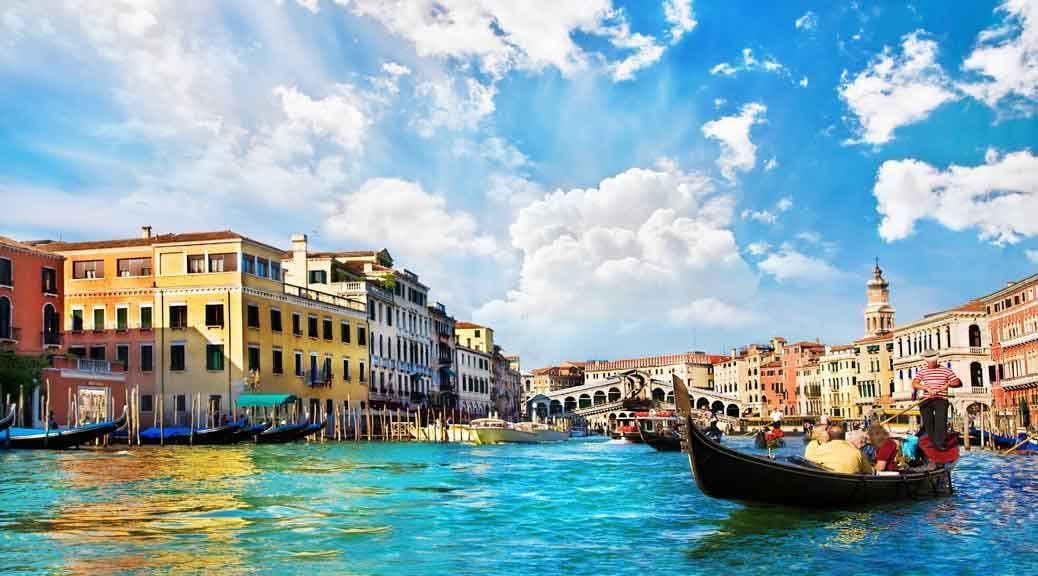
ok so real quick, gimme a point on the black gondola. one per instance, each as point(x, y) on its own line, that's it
point(666, 441)
point(6, 422)
point(281, 433)
point(721, 472)
point(313, 429)
point(30, 438)
point(248, 432)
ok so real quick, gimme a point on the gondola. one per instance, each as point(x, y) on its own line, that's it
point(29, 438)
point(312, 429)
point(666, 441)
point(282, 433)
point(1004, 442)
point(721, 472)
point(759, 441)
point(6, 422)
point(247, 432)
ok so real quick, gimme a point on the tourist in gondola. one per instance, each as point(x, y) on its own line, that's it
point(819, 436)
point(775, 434)
point(933, 383)
point(886, 449)
point(839, 455)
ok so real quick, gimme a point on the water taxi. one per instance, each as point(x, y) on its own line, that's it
point(497, 431)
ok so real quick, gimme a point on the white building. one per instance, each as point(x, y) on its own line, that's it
point(475, 378)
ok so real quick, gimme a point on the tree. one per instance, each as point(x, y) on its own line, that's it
point(19, 372)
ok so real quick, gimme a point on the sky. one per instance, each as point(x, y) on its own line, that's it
point(594, 180)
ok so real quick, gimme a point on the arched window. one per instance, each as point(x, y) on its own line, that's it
point(570, 404)
point(658, 394)
point(975, 336)
point(5, 318)
point(614, 394)
point(556, 407)
point(51, 325)
point(600, 397)
point(585, 401)
point(976, 371)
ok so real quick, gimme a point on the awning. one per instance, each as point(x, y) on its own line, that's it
point(263, 400)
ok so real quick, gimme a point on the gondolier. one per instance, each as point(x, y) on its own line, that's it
point(933, 383)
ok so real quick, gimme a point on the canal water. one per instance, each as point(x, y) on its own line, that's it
point(582, 507)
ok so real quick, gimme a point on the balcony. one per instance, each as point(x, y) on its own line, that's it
point(318, 379)
point(1020, 382)
point(10, 334)
point(93, 366)
point(1022, 339)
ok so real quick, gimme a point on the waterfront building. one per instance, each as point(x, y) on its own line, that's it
point(31, 300)
point(401, 337)
point(527, 383)
point(694, 368)
point(748, 360)
point(565, 375)
point(809, 387)
point(795, 356)
point(475, 376)
point(506, 391)
point(474, 336)
point(726, 374)
point(838, 380)
point(1012, 320)
point(445, 376)
point(773, 382)
point(961, 338)
point(209, 316)
point(875, 382)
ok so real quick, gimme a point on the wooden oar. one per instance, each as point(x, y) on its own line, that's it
point(1019, 444)
point(913, 405)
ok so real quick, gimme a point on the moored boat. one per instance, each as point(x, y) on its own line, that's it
point(8, 420)
point(659, 430)
point(544, 432)
point(666, 441)
point(59, 439)
point(497, 431)
point(282, 433)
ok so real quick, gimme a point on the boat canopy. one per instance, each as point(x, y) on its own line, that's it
point(264, 400)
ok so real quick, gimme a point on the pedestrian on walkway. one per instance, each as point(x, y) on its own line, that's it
point(933, 383)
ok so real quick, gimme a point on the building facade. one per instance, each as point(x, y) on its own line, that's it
point(445, 379)
point(795, 356)
point(552, 378)
point(694, 368)
point(475, 379)
point(838, 381)
point(31, 300)
point(1012, 318)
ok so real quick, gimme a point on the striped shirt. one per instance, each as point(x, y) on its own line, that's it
point(935, 381)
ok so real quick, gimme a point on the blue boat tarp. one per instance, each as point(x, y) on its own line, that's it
point(253, 400)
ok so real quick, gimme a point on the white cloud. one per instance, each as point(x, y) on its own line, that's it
point(895, 90)
point(679, 15)
point(788, 264)
point(1006, 59)
point(738, 152)
point(809, 21)
point(999, 198)
point(1032, 255)
point(771, 164)
point(403, 216)
point(640, 245)
point(758, 248)
point(711, 312)
point(340, 116)
point(803, 82)
point(454, 107)
point(784, 204)
point(749, 63)
point(762, 216)
point(501, 35)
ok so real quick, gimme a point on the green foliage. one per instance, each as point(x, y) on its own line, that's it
point(389, 282)
point(17, 370)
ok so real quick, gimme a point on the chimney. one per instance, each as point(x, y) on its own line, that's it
point(146, 232)
point(300, 273)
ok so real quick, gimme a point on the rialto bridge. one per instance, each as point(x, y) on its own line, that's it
point(605, 401)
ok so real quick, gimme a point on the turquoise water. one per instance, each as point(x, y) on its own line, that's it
point(583, 507)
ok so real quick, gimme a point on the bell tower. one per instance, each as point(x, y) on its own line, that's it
point(879, 314)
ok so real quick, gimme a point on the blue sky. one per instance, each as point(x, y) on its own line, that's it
point(595, 179)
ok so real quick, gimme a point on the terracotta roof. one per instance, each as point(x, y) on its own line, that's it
point(842, 347)
point(28, 247)
point(718, 359)
point(806, 344)
point(52, 246)
point(467, 325)
point(880, 338)
point(772, 364)
point(971, 306)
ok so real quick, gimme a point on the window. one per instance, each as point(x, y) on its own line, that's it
point(180, 403)
point(318, 277)
point(196, 263)
point(254, 359)
point(345, 333)
point(145, 317)
point(297, 324)
point(77, 351)
point(147, 403)
point(345, 369)
point(88, 269)
point(99, 319)
point(326, 370)
point(98, 353)
point(252, 316)
point(326, 328)
point(311, 326)
point(77, 320)
point(277, 365)
point(178, 316)
point(275, 320)
point(362, 374)
point(122, 354)
point(133, 266)
point(362, 336)
point(214, 356)
point(5, 272)
point(49, 281)
point(275, 271)
point(248, 264)
point(222, 263)
point(146, 358)
point(122, 318)
point(299, 363)
point(177, 359)
point(261, 267)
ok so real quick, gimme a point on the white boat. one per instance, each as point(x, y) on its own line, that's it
point(497, 431)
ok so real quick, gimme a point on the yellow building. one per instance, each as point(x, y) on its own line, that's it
point(223, 322)
point(838, 378)
point(874, 356)
point(474, 336)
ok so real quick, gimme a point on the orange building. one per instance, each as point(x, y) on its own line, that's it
point(1013, 321)
point(794, 357)
point(30, 298)
point(773, 382)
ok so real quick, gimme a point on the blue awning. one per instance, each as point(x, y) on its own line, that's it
point(264, 400)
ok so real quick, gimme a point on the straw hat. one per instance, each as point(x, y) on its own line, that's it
point(930, 354)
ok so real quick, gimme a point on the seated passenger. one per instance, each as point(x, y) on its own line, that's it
point(839, 455)
point(775, 433)
point(886, 448)
point(819, 436)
